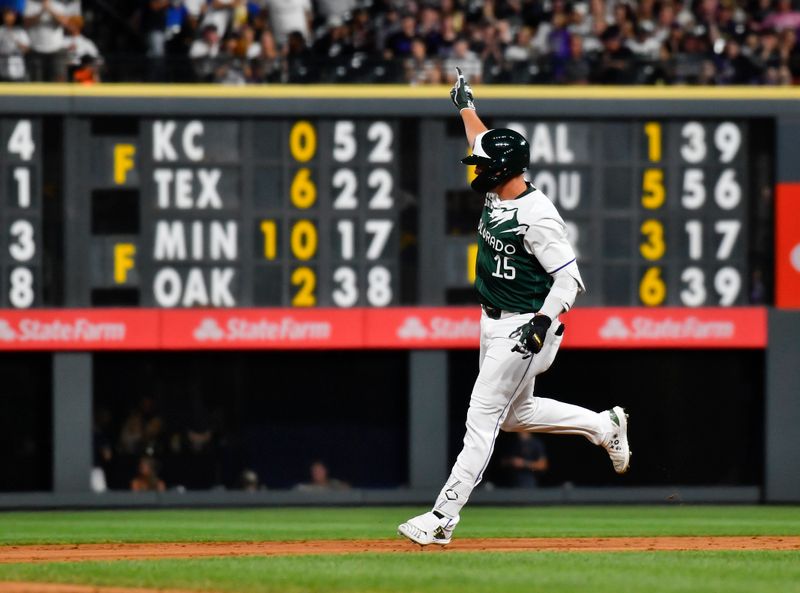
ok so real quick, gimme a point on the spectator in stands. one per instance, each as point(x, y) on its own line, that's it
point(249, 482)
point(154, 26)
point(734, 67)
point(193, 461)
point(76, 46)
point(301, 66)
point(289, 16)
point(790, 53)
point(520, 56)
point(87, 72)
point(644, 45)
point(785, 17)
point(525, 461)
point(465, 59)
point(131, 434)
point(196, 12)
point(578, 68)
point(146, 478)
point(335, 48)
point(691, 58)
point(328, 9)
point(558, 45)
point(204, 52)
point(266, 61)
point(363, 34)
point(321, 480)
point(102, 444)
point(14, 44)
point(398, 45)
point(232, 66)
point(430, 30)
point(616, 61)
point(419, 68)
point(220, 14)
point(45, 21)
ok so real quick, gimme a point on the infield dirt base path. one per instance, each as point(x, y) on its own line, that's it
point(147, 551)
point(82, 552)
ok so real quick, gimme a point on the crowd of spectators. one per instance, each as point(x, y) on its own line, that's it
point(145, 449)
point(416, 41)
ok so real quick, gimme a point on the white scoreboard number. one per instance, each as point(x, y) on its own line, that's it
point(361, 212)
point(717, 190)
point(21, 226)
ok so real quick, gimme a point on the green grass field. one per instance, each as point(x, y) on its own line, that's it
point(435, 571)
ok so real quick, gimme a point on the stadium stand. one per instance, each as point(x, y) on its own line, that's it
point(697, 42)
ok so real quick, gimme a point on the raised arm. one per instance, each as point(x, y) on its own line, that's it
point(461, 94)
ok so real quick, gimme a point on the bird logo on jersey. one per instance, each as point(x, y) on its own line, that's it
point(504, 221)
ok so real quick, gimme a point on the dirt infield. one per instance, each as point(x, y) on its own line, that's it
point(78, 552)
point(83, 552)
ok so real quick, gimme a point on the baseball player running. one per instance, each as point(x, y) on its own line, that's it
point(527, 276)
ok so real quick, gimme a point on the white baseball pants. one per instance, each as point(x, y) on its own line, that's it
point(502, 398)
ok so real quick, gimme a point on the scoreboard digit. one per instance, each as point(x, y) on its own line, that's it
point(20, 216)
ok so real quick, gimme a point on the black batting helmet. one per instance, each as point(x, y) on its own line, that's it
point(503, 153)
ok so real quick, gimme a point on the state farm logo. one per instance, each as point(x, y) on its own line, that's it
point(649, 328)
point(412, 329)
point(439, 328)
point(75, 330)
point(614, 329)
point(7, 334)
point(208, 329)
point(237, 329)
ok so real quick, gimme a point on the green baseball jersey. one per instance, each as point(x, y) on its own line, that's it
point(521, 242)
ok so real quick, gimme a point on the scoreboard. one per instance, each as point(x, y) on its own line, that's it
point(299, 213)
point(656, 208)
point(283, 203)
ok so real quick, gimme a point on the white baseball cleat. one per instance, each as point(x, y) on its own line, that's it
point(617, 445)
point(428, 528)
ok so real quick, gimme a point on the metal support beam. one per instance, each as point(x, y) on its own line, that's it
point(782, 408)
point(427, 456)
point(72, 422)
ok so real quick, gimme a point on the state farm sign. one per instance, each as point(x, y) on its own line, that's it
point(400, 328)
point(446, 327)
point(666, 328)
point(262, 328)
point(72, 329)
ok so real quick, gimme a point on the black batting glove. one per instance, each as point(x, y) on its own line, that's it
point(461, 93)
point(530, 337)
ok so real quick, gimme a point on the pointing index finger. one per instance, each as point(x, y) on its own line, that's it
point(460, 74)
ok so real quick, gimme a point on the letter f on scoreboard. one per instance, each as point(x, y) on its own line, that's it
point(124, 261)
point(123, 162)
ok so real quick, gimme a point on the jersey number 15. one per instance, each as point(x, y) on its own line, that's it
point(508, 271)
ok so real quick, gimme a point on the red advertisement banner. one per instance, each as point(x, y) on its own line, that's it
point(395, 328)
point(787, 245)
point(741, 327)
point(79, 329)
point(282, 329)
